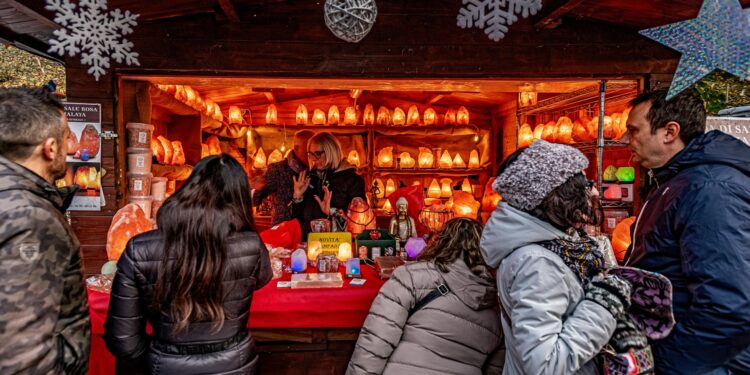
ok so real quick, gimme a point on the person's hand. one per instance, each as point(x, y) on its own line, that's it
point(300, 185)
point(611, 292)
point(628, 336)
point(325, 204)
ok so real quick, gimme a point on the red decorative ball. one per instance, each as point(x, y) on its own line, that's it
point(374, 235)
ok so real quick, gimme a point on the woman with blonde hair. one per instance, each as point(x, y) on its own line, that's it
point(330, 185)
point(437, 315)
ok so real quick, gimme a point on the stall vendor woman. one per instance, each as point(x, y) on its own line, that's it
point(330, 185)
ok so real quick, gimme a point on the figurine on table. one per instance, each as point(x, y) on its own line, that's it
point(402, 225)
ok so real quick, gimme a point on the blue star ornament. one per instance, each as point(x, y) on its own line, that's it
point(719, 38)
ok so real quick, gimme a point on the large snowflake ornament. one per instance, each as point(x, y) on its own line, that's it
point(94, 32)
point(494, 16)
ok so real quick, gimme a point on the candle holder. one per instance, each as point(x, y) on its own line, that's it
point(435, 217)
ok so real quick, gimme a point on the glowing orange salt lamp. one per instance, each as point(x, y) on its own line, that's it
point(445, 160)
point(179, 92)
point(319, 117)
point(458, 162)
point(430, 117)
point(189, 95)
point(623, 128)
point(433, 191)
point(412, 117)
point(218, 116)
point(390, 187)
point(385, 157)
point(609, 130)
point(466, 186)
point(127, 222)
point(580, 132)
point(81, 177)
point(387, 206)
point(474, 159)
point(550, 132)
point(525, 136)
point(360, 217)
point(426, 159)
point(235, 115)
point(350, 116)
point(464, 205)
point(406, 160)
point(209, 109)
point(301, 116)
point(353, 158)
point(462, 117)
point(446, 188)
point(259, 162)
point(384, 116)
point(491, 198)
point(538, 131)
point(275, 157)
point(621, 238)
point(399, 117)
point(333, 115)
point(450, 117)
point(564, 130)
point(368, 116)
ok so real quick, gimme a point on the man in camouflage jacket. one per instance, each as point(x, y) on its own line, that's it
point(44, 320)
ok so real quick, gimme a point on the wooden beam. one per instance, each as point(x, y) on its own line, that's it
point(549, 18)
point(28, 44)
point(44, 21)
point(229, 10)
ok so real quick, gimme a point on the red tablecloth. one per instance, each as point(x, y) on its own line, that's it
point(272, 307)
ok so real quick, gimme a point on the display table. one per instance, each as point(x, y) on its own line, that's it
point(272, 308)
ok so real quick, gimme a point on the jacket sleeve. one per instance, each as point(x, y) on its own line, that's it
point(264, 273)
point(547, 343)
point(271, 185)
point(42, 291)
point(125, 327)
point(384, 325)
point(715, 225)
point(496, 361)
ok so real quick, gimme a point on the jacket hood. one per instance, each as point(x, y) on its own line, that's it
point(13, 176)
point(509, 229)
point(713, 147)
point(476, 291)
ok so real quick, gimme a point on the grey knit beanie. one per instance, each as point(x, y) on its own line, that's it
point(537, 171)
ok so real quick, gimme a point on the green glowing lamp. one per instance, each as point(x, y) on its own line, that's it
point(610, 174)
point(625, 174)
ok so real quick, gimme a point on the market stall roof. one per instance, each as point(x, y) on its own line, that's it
point(27, 24)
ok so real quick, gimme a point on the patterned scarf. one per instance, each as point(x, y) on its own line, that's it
point(581, 255)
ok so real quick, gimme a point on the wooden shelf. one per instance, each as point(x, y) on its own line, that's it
point(592, 146)
point(588, 96)
point(411, 129)
point(179, 173)
point(431, 172)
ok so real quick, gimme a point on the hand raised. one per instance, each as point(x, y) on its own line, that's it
point(300, 184)
point(325, 204)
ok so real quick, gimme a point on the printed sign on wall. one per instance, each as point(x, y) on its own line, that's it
point(84, 155)
point(738, 127)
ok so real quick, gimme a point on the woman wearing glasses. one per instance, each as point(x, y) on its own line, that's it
point(329, 186)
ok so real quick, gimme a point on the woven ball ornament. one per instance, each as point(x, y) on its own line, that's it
point(350, 20)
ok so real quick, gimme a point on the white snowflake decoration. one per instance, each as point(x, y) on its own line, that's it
point(95, 31)
point(494, 16)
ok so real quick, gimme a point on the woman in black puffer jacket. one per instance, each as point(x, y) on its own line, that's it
point(192, 279)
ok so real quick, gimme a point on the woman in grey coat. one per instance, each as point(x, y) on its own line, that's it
point(558, 311)
point(458, 332)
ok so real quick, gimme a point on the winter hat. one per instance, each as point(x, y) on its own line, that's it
point(537, 171)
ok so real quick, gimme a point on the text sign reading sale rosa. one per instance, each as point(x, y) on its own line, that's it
point(84, 155)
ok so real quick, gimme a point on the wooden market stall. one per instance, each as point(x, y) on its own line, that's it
point(252, 54)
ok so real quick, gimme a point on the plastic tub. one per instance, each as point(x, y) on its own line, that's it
point(143, 202)
point(139, 160)
point(139, 184)
point(155, 205)
point(139, 135)
point(159, 188)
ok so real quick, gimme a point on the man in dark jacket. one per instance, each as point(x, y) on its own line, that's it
point(694, 228)
point(278, 179)
point(44, 318)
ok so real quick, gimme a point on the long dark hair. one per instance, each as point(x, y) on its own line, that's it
point(458, 239)
point(196, 222)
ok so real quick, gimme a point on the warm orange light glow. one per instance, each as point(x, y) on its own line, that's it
point(464, 205)
point(466, 186)
point(458, 161)
point(446, 188)
point(462, 118)
point(345, 251)
point(550, 132)
point(430, 117)
point(390, 187)
point(275, 157)
point(399, 117)
point(271, 115)
point(314, 249)
point(235, 115)
point(609, 130)
point(381, 188)
point(406, 160)
point(368, 117)
point(525, 136)
point(433, 191)
point(353, 158)
point(450, 117)
point(384, 116)
point(413, 116)
point(218, 116)
point(527, 98)
point(190, 95)
point(259, 162)
point(385, 157)
point(350, 116)
point(474, 159)
point(490, 198)
point(333, 115)
point(209, 109)
point(538, 131)
point(564, 130)
point(445, 161)
point(426, 159)
point(387, 206)
point(319, 117)
point(301, 115)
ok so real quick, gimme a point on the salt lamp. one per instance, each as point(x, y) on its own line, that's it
point(613, 193)
point(406, 160)
point(301, 116)
point(550, 132)
point(623, 124)
point(446, 188)
point(414, 246)
point(445, 160)
point(360, 217)
point(299, 261)
point(384, 116)
point(416, 183)
point(178, 153)
point(527, 98)
point(259, 162)
point(610, 174)
point(491, 198)
point(609, 130)
point(209, 109)
point(538, 131)
point(625, 174)
point(275, 157)
point(580, 132)
point(390, 187)
point(525, 136)
point(319, 117)
point(368, 117)
point(81, 177)
point(564, 130)
point(333, 115)
point(464, 205)
point(314, 249)
point(179, 92)
point(235, 115)
point(466, 186)
point(385, 157)
point(127, 222)
point(450, 117)
point(434, 217)
point(621, 238)
point(189, 95)
point(430, 117)
point(168, 150)
point(353, 158)
point(345, 251)
point(458, 162)
point(381, 188)
point(350, 116)
point(399, 117)
point(214, 146)
point(433, 191)
point(271, 115)
point(89, 141)
point(462, 117)
point(412, 116)
point(426, 159)
point(387, 206)
point(474, 159)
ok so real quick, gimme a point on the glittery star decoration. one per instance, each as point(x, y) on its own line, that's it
point(719, 38)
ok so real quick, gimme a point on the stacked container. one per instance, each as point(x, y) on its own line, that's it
point(139, 176)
